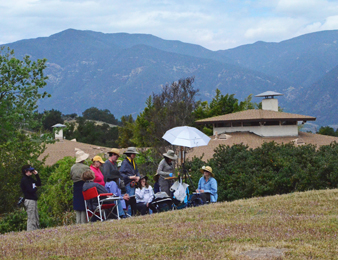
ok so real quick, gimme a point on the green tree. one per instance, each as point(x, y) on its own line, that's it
point(51, 118)
point(173, 107)
point(221, 105)
point(86, 131)
point(103, 115)
point(327, 130)
point(20, 82)
point(126, 131)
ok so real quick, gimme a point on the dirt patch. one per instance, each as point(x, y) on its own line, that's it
point(265, 253)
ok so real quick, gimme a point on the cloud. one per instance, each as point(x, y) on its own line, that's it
point(307, 8)
point(213, 24)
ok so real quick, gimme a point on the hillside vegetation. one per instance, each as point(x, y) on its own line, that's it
point(293, 226)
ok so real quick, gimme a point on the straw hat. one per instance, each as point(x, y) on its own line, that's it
point(98, 159)
point(114, 150)
point(208, 169)
point(170, 154)
point(81, 156)
point(131, 150)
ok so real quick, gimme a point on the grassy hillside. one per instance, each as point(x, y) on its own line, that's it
point(293, 226)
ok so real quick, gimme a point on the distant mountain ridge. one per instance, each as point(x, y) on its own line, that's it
point(119, 71)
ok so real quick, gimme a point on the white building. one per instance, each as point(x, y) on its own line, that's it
point(265, 122)
point(58, 130)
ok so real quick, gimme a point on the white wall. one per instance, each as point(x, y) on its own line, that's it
point(59, 133)
point(266, 131)
point(270, 104)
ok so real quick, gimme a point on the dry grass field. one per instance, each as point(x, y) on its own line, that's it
point(293, 226)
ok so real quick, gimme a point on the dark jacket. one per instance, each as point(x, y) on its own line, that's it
point(92, 204)
point(27, 187)
point(107, 168)
point(127, 169)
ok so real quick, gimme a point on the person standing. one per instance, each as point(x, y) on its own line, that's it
point(76, 174)
point(110, 164)
point(29, 187)
point(95, 167)
point(165, 169)
point(130, 175)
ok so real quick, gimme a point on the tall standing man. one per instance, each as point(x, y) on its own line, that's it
point(29, 187)
point(110, 165)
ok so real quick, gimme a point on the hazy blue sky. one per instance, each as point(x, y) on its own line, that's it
point(213, 24)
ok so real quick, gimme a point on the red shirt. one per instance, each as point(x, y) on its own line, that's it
point(98, 175)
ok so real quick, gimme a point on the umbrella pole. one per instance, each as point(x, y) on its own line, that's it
point(185, 174)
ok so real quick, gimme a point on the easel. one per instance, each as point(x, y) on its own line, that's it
point(185, 174)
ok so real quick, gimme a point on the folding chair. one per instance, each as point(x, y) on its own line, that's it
point(99, 211)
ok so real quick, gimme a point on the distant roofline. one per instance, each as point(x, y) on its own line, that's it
point(255, 115)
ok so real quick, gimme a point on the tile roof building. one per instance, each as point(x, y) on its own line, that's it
point(265, 122)
point(255, 126)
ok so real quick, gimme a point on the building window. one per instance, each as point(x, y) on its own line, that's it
point(223, 124)
point(289, 122)
point(250, 123)
point(271, 123)
point(236, 124)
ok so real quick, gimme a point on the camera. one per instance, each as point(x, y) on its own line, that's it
point(21, 199)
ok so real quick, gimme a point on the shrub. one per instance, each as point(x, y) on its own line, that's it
point(13, 221)
point(56, 200)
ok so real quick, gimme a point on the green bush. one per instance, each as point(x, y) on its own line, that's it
point(56, 201)
point(13, 221)
point(242, 172)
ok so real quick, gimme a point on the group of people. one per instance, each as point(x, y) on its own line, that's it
point(121, 178)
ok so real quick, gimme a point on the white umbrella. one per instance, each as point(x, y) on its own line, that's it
point(186, 136)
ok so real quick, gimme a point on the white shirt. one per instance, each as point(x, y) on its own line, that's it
point(144, 195)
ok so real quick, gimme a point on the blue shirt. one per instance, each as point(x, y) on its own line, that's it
point(112, 187)
point(210, 186)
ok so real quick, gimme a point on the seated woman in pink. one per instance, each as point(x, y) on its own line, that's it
point(95, 167)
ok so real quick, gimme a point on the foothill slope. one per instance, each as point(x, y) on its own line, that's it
point(293, 226)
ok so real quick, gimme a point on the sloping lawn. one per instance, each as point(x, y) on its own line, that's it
point(294, 226)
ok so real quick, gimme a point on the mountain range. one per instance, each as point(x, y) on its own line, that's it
point(119, 71)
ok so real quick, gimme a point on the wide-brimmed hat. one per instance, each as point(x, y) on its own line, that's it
point(131, 150)
point(98, 159)
point(114, 174)
point(80, 156)
point(208, 169)
point(170, 154)
point(114, 150)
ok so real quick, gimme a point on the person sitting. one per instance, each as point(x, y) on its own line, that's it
point(95, 167)
point(207, 185)
point(144, 195)
point(88, 178)
point(114, 185)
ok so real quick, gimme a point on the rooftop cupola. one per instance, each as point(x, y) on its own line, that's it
point(269, 102)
